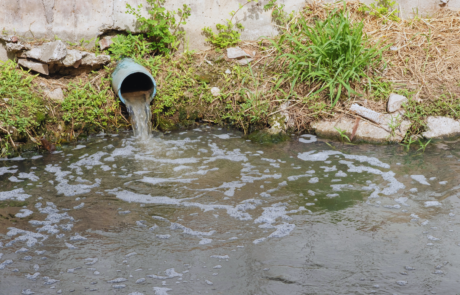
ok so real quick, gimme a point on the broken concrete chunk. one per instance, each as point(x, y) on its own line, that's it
point(56, 94)
point(34, 66)
point(244, 61)
point(440, 127)
point(366, 132)
point(92, 60)
point(395, 102)
point(48, 52)
point(105, 42)
point(236, 52)
point(368, 114)
point(72, 57)
point(14, 47)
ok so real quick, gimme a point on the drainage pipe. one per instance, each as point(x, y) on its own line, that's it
point(130, 77)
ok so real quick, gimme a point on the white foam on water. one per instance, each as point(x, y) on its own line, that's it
point(329, 169)
point(30, 238)
point(4, 170)
point(432, 204)
point(166, 161)
point(24, 213)
point(314, 180)
point(117, 280)
point(14, 179)
point(219, 154)
point(340, 174)
point(402, 201)
point(220, 256)
point(431, 238)
point(443, 182)
point(79, 206)
point(208, 282)
point(80, 146)
point(91, 261)
point(413, 190)
point(205, 241)
point(230, 186)
point(420, 178)
point(5, 263)
point(77, 237)
point(332, 195)
point(189, 231)
point(160, 290)
point(16, 194)
point(67, 189)
point(163, 237)
point(282, 230)
point(153, 180)
point(32, 277)
point(310, 138)
point(70, 246)
point(222, 136)
point(22, 250)
point(19, 158)
point(146, 199)
point(258, 241)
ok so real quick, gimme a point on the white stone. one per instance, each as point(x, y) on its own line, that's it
point(56, 94)
point(244, 61)
point(215, 91)
point(34, 66)
point(92, 60)
point(439, 127)
point(368, 114)
point(48, 52)
point(395, 102)
point(236, 52)
point(73, 56)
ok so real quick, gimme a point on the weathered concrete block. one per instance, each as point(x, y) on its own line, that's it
point(395, 102)
point(105, 42)
point(368, 114)
point(236, 52)
point(440, 127)
point(72, 57)
point(56, 94)
point(48, 52)
point(92, 60)
point(15, 47)
point(366, 131)
point(34, 66)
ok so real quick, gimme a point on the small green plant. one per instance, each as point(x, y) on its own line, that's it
point(382, 8)
point(334, 52)
point(423, 145)
point(394, 124)
point(408, 142)
point(161, 27)
point(342, 134)
point(133, 46)
point(228, 34)
point(87, 105)
point(279, 16)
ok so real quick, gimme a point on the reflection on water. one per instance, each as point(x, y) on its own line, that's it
point(206, 212)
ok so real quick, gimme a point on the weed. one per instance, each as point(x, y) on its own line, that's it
point(84, 104)
point(423, 145)
point(336, 53)
point(394, 124)
point(409, 141)
point(161, 27)
point(279, 16)
point(22, 109)
point(381, 9)
point(228, 34)
point(133, 46)
point(342, 134)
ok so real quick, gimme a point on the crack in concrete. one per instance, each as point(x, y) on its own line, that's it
point(48, 5)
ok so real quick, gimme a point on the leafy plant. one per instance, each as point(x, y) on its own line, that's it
point(342, 134)
point(133, 46)
point(381, 8)
point(409, 141)
point(333, 52)
point(394, 123)
point(279, 16)
point(423, 145)
point(161, 27)
point(84, 104)
point(22, 109)
point(228, 34)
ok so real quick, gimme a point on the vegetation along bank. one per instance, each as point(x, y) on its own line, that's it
point(349, 71)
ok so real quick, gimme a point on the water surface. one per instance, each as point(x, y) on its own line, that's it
point(204, 211)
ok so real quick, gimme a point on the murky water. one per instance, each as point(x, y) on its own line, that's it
point(206, 212)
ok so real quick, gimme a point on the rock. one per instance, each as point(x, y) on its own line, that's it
point(56, 95)
point(281, 121)
point(441, 127)
point(48, 52)
point(92, 60)
point(228, 72)
point(6, 38)
point(215, 91)
point(395, 102)
point(366, 131)
point(73, 57)
point(368, 114)
point(14, 47)
point(236, 52)
point(244, 61)
point(34, 66)
point(14, 39)
point(105, 42)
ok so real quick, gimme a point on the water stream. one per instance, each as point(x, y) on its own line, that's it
point(138, 106)
point(204, 211)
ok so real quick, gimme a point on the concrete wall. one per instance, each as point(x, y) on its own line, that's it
point(73, 20)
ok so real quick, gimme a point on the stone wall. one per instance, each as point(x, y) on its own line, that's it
point(73, 20)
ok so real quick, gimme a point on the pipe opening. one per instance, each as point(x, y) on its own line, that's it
point(137, 87)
